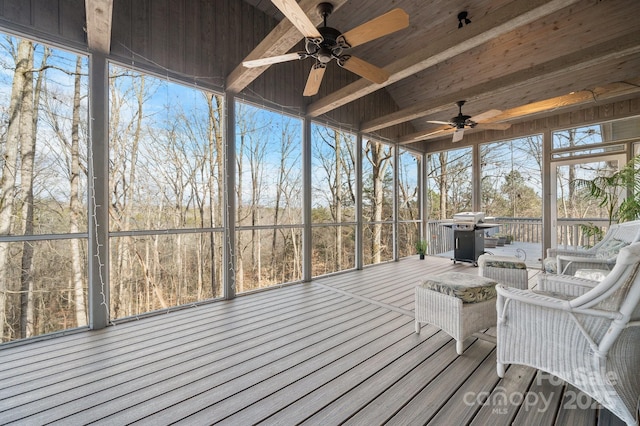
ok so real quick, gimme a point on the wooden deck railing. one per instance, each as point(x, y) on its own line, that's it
point(528, 230)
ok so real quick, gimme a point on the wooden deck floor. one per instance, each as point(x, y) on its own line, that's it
point(341, 349)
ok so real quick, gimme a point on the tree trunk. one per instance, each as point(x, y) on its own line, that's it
point(9, 174)
point(338, 202)
point(28, 119)
point(122, 183)
point(256, 160)
point(444, 185)
point(379, 160)
point(214, 156)
point(218, 206)
point(76, 204)
point(239, 211)
point(151, 283)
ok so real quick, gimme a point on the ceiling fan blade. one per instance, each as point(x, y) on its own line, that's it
point(425, 136)
point(388, 23)
point(273, 60)
point(486, 115)
point(457, 135)
point(298, 18)
point(314, 80)
point(363, 69)
point(438, 122)
point(431, 135)
point(492, 126)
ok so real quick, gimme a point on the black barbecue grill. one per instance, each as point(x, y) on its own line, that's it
point(468, 236)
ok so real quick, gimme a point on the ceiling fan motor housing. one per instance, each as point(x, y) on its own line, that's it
point(462, 120)
point(329, 47)
point(332, 44)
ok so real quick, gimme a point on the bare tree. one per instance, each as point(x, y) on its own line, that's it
point(249, 154)
point(216, 165)
point(28, 120)
point(203, 131)
point(212, 176)
point(335, 193)
point(338, 200)
point(75, 204)
point(408, 207)
point(244, 129)
point(379, 156)
point(443, 184)
point(29, 114)
point(283, 199)
point(126, 133)
point(20, 95)
point(256, 153)
point(70, 146)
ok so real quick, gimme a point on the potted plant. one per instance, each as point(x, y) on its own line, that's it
point(490, 242)
point(421, 248)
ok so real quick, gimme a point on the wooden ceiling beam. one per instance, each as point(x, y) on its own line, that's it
point(278, 42)
point(501, 21)
point(589, 57)
point(570, 101)
point(584, 97)
point(99, 14)
point(547, 71)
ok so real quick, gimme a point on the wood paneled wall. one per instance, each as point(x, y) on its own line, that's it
point(60, 22)
point(199, 40)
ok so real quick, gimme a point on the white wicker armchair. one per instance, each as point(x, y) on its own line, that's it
point(585, 252)
point(591, 341)
point(600, 256)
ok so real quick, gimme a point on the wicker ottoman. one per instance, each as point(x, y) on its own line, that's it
point(459, 304)
point(507, 270)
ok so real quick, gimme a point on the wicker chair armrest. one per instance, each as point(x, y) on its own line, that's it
point(577, 251)
point(568, 265)
point(567, 285)
point(508, 294)
point(527, 296)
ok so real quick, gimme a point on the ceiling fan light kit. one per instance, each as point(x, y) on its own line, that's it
point(327, 43)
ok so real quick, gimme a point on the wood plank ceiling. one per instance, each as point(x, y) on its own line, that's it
point(526, 58)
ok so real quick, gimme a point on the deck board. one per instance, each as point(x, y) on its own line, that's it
point(432, 397)
point(402, 388)
point(214, 356)
point(348, 365)
point(163, 339)
point(496, 409)
point(341, 349)
point(462, 406)
point(362, 384)
point(541, 401)
point(567, 413)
